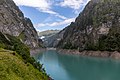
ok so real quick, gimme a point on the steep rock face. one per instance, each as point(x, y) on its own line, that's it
point(12, 22)
point(97, 27)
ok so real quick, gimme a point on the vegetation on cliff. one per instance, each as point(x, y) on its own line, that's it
point(17, 35)
point(18, 62)
point(12, 67)
point(96, 28)
point(13, 22)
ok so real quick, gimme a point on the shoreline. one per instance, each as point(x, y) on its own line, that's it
point(102, 54)
point(37, 50)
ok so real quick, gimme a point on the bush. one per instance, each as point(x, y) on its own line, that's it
point(14, 43)
point(110, 42)
point(69, 45)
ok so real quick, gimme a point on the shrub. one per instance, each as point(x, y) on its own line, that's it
point(14, 43)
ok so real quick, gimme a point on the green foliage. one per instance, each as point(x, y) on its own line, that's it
point(22, 36)
point(102, 43)
point(69, 45)
point(13, 43)
point(106, 43)
point(110, 42)
point(12, 67)
point(104, 13)
point(92, 46)
point(4, 43)
point(19, 47)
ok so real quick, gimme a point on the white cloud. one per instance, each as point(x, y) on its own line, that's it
point(65, 22)
point(41, 5)
point(52, 12)
point(74, 4)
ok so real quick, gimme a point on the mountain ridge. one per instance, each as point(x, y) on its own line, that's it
point(17, 37)
point(13, 22)
point(94, 29)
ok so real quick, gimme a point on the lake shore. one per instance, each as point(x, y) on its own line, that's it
point(36, 51)
point(105, 54)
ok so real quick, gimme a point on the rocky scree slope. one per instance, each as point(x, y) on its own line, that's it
point(13, 22)
point(96, 28)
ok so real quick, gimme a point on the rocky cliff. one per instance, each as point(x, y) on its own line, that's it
point(13, 22)
point(17, 36)
point(96, 28)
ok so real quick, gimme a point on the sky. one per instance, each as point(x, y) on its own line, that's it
point(51, 14)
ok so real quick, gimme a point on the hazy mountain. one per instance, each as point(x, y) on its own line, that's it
point(48, 36)
point(47, 33)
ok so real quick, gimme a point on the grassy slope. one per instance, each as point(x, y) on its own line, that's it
point(12, 67)
point(15, 61)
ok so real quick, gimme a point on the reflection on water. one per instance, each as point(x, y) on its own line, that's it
point(70, 67)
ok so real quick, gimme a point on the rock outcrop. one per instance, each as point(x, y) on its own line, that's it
point(96, 28)
point(13, 22)
point(102, 54)
point(17, 36)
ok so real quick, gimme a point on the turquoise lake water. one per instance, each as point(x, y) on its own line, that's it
point(74, 67)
